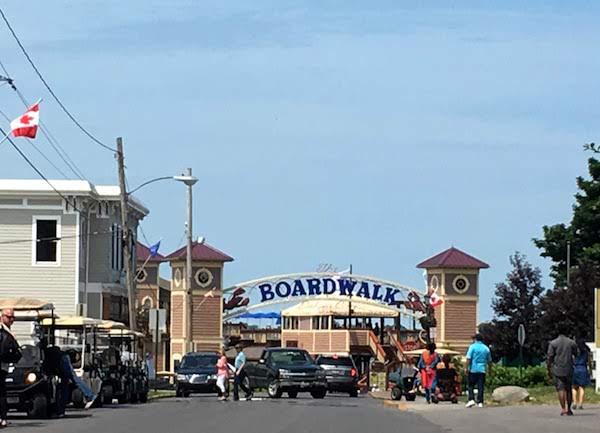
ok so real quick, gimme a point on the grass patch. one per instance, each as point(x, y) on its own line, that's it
point(160, 393)
point(547, 395)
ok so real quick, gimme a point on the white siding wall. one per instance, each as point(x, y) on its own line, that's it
point(18, 277)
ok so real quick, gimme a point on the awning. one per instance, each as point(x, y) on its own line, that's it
point(125, 333)
point(339, 306)
point(271, 315)
point(23, 304)
point(109, 324)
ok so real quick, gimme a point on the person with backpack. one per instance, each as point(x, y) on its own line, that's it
point(10, 353)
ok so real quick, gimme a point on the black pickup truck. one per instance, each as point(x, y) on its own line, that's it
point(288, 370)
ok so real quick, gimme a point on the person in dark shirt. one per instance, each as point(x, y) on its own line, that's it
point(561, 354)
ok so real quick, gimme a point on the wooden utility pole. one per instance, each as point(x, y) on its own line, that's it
point(126, 235)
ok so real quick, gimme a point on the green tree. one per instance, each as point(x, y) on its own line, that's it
point(516, 302)
point(583, 233)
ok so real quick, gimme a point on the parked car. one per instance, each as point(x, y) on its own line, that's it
point(341, 373)
point(288, 370)
point(197, 373)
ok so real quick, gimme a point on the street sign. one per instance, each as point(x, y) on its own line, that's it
point(157, 322)
point(521, 335)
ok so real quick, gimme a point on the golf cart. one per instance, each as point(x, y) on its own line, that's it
point(77, 336)
point(127, 341)
point(31, 383)
point(117, 381)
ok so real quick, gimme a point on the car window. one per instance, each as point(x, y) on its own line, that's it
point(291, 357)
point(198, 361)
point(336, 361)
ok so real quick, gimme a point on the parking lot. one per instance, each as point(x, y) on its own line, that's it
point(203, 413)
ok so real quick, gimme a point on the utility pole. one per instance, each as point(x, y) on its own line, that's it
point(188, 266)
point(126, 240)
point(568, 264)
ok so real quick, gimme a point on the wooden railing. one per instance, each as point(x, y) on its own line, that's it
point(376, 347)
point(397, 344)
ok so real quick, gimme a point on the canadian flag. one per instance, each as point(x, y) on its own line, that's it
point(27, 124)
point(434, 300)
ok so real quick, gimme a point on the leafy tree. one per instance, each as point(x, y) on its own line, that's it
point(572, 306)
point(516, 302)
point(583, 232)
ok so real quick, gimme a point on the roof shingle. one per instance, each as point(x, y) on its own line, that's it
point(201, 252)
point(453, 258)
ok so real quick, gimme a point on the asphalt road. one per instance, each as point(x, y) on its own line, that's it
point(205, 414)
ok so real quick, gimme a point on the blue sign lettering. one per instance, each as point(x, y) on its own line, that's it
point(266, 292)
point(329, 286)
point(364, 290)
point(347, 287)
point(314, 286)
point(298, 289)
point(287, 288)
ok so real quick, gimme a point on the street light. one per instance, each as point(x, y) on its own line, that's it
point(189, 181)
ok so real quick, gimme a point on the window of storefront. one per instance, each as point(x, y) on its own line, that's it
point(320, 322)
point(290, 323)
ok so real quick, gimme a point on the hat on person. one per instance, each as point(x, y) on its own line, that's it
point(239, 346)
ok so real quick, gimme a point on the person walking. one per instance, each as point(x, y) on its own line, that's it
point(582, 366)
point(479, 361)
point(240, 375)
point(9, 351)
point(427, 366)
point(561, 353)
point(222, 375)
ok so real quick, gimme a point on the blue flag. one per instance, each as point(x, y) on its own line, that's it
point(154, 249)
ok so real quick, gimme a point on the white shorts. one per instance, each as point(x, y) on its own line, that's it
point(221, 382)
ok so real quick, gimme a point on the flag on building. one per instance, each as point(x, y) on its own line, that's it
point(154, 249)
point(26, 125)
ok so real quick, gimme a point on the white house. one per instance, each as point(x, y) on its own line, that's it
point(68, 252)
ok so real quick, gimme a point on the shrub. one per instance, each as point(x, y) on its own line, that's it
point(531, 377)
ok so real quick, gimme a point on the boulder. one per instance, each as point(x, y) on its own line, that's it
point(510, 394)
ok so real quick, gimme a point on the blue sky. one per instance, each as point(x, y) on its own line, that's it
point(369, 133)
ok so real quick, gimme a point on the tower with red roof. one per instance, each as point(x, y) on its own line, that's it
point(207, 298)
point(454, 276)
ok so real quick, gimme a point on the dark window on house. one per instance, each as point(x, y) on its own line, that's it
point(46, 241)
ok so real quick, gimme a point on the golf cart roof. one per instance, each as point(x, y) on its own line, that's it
point(439, 350)
point(68, 322)
point(25, 304)
point(124, 333)
point(109, 325)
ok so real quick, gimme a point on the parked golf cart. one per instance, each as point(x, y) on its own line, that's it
point(127, 341)
point(77, 336)
point(117, 382)
point(31, 383)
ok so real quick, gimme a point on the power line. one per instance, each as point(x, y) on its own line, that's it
point(32, 165)
point(45, 131)
point(56, 98)
point(39, 151)
point(53, 142)
point(55, 238)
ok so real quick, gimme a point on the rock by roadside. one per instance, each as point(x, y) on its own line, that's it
point(510, 394)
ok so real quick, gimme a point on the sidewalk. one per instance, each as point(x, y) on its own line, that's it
point(527, 418)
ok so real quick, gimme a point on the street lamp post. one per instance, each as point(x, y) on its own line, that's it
point(189, 180)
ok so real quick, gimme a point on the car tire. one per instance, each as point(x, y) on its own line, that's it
point(107, 394)
point(318, 393)
point(292, 394)
point(38, 407)
point(77, 399)
point(273, 389)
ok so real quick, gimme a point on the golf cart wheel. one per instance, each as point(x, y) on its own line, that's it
point(144, 397)
point(410, 397)
point(38, 407)
point(292, 394)
point(396, 393)
point(134, 397)
point(273, 390)
point(318, 393)
point(125, 397)
point(77, 399)
point(354, 393)
point(107, 394)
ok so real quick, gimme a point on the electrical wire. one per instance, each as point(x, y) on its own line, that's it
point(39, 151)
point(56, 98)
point(40, 174)
point(55, 238)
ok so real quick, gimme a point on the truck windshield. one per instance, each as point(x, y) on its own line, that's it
point(291, 357)
point(198, 361)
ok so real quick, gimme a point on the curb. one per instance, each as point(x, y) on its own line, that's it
point(160, 396)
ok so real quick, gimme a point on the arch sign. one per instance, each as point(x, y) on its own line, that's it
point(295, 287)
